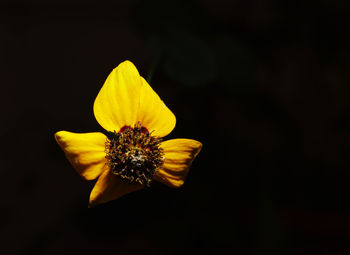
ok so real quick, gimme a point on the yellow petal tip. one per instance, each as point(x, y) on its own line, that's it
point(58, 137)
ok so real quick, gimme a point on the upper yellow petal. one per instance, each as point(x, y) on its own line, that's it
point(109, 187)
point(85, 151)
point(117, 103)
point(126, 99)
point(179, 155)
point(153, 113)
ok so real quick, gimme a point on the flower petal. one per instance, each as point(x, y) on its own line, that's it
point(109, 187)
point(153, 113)
point(179, 154)
point(117, 103)
point(85, 151)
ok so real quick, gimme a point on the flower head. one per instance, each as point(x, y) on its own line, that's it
point(131, 153)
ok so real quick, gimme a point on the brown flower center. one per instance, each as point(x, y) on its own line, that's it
point(134, 154)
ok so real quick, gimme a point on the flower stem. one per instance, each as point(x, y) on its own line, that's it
point(152, 70)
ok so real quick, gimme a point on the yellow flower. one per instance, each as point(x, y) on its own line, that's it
point(131, 153)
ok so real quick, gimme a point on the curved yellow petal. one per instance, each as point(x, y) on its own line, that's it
point(126, 99)
point(179, 154)
point(117, 103)
point(85, 151)
point(109, 187)
point(153, 113)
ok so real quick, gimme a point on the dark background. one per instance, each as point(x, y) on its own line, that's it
point(264, 85)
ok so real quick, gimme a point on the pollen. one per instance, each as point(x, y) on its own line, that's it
point(134, 154)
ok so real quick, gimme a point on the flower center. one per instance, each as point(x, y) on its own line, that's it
point(134, 154)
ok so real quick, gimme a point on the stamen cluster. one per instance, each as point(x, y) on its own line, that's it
point(134, 154)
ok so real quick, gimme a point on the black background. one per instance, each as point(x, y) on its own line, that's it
point(264, 85)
